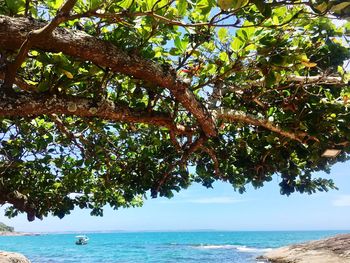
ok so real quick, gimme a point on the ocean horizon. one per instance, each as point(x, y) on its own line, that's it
point(157, 246)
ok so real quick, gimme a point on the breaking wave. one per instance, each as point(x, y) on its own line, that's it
point(236, 247)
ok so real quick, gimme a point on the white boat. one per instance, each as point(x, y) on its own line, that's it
point(81, 240)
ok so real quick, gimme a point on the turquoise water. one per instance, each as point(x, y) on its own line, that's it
point(137, 247)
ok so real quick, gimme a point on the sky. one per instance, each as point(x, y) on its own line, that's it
point(221, 208)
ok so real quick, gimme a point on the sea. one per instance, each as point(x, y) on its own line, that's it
point(157, 247)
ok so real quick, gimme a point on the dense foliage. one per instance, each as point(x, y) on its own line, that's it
point(103, 102)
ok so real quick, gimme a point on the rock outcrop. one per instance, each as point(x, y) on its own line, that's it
point(10, 231)
point(335, 250)
point(11, 257)
point(6, 228)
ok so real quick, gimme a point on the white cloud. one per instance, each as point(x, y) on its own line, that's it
point(215, 200)
point(343, 200)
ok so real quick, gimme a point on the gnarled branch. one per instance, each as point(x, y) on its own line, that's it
point(233, 116)
point(35, 36)
point(31, 105)
point(78, 44)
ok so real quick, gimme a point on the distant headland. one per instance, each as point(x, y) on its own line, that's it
point(10, 231)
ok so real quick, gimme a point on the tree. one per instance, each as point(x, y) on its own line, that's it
point(103, 102)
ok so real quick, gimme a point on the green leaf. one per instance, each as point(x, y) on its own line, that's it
point(275, 20)
point(278, 60)
point(249, 30)
point(223, 34)
point(224, 57)
point(94, 4)
point(181, 44)
point(181, 7)
point(204, 6)
point(237, 44)
point(177, 42)
point(225, 4)
point(242, 34)
point(125, 3)
point(15, 6)
point(270, 79)
point(55, 4)
point(265, 9)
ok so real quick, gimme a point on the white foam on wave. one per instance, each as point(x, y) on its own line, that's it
point(252, 249)
point(216, 246)
point(239, 248)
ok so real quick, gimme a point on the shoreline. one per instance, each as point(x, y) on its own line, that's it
point(17, 234)
point(334, 249)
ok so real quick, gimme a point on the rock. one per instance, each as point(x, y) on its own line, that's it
point(11, 257)
point(335, 249)
point(6, 228)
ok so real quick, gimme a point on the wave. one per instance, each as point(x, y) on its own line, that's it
point(216, 246)
point(253, 249)
point(236, 247)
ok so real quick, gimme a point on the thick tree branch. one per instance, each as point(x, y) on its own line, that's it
point(30, 105)
point(80, 45)
point(34, 36)
point(319, 79)
point(233, 116)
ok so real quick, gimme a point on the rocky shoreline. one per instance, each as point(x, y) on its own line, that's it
point(335, 249)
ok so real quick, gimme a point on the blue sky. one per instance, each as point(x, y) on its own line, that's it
point(220, 208)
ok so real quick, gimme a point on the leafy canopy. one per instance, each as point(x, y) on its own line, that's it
point(103, 102)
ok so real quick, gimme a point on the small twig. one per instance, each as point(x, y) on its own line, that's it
point(26, 11)
point(212, 155)
point(193, 148)
point(67, 132)
point(212, 23)
point(174, 141)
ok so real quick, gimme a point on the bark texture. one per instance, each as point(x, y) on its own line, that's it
point(35, 105)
